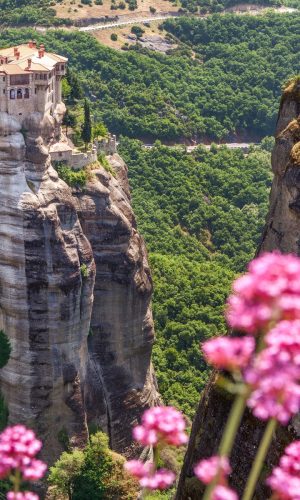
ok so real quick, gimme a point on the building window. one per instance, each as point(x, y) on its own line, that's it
point(12, 94)
point(19, 94)
point(26, 94)
point(3, 79)
point(3, 91)
point(19, 80)
point(35, 90)
point(62, 67)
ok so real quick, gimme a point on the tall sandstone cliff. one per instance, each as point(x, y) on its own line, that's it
point(75, 290)
point(282, 232)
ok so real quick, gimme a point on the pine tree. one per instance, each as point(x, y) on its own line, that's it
point(86, 132)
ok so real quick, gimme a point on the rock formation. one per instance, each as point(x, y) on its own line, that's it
point(282, 232)
point(75, 292)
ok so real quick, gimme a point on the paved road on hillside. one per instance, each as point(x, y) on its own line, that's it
point(149, 19)
point(167, 15)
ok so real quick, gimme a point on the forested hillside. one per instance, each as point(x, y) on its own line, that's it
point(201, 216)
point(231, 85)
point(44, 12)
point(23, 12)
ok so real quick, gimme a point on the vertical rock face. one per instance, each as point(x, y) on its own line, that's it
point(80, 350)
point(120, 380)
point(282, 232)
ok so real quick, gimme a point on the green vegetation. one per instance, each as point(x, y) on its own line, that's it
point(84, 271)
point(86, 132)
point(231, 85)
point(201, 216)
point(23, 12)
point(74, 178)
point(138, 31)
point(205, 6)
point(95, 472)
point(5, 349)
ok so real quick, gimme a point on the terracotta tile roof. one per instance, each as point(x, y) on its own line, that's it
point(12, 69)
point(45, 63)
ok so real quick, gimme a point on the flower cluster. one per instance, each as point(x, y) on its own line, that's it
point(216, 468)
point(275, 374)
point(269, 291)
point(22, 495)
point(18, 447)
point(265, 305)
point(229, 353)
point(161, 424)
point(148, 477)
point(285, 479)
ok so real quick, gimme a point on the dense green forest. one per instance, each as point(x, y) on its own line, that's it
point(227, 83)
point(201, 216)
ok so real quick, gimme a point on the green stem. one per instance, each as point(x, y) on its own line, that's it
point(16, 480)
point(230, 431)
point(259, 460)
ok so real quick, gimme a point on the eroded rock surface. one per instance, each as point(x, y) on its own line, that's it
point(282, 232)
point(80, 348)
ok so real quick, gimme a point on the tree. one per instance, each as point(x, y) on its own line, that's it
point(75, 85)
point(63, 474)
point(99, 130)
point(96, 473)
point(69, 120)
point(138, 31)
point(86, 132)
point(5, 349)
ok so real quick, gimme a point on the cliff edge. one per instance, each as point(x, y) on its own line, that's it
point(282, 232)
point(75, 292)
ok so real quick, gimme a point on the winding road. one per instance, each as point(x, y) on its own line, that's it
point(161, 16)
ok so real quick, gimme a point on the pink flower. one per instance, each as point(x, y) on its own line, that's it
point(275, 397)
point(34, 471)
point(161, 424)
point(18, 446)
point(21, 495)
point(229, 353)
point(285, 479)
point(270, 290)
point(275, 374)
point(207, 469)
point(137, 468)
point(223, 493)
point(160, 480)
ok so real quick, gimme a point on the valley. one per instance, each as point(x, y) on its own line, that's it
point(142, 243)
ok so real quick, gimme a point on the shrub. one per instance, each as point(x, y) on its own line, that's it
point(114, 37)
point(137, 30)
point(74, 178)
point(95, 472)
